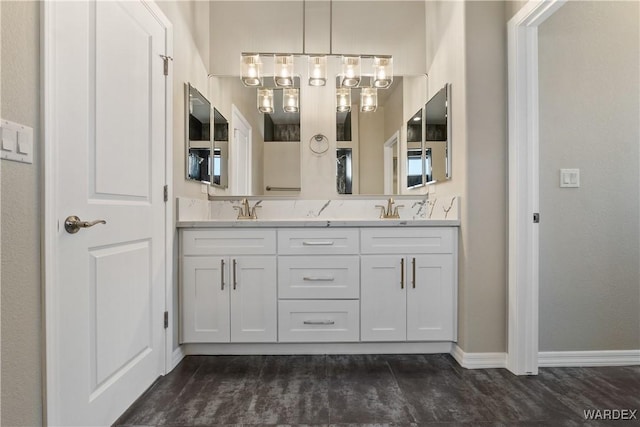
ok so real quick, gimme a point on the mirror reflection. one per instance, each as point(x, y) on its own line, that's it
point(198, 135)
point(438, 135)
point(220, 150)
point(401, 146)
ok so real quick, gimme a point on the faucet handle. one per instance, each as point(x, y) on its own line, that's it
point(395, 211)
point(382, 212)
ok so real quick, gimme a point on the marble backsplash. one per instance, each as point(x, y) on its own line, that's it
point(415, 208)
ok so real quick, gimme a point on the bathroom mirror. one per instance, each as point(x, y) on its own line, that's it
point(371, 154)
point(198, 136)
point(220, 165)
point(438, 135)
point(416, 171)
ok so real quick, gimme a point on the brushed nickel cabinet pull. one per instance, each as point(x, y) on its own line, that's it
point(235, 281)
point(318, 279)
point(327, 243)
point(319, 322)
point(401, 273)
point(222, 274)
point(413, 279)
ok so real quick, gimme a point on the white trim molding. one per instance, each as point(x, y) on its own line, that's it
point(548, 359)
point(522, 32)
point(318, 348)
point(176, 358)
point(478, 360)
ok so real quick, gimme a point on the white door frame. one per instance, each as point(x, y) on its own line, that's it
point(238, 166)
point(522, 30)
point(49, 233)
point(390, 146)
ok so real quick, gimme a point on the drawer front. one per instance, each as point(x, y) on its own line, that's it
point(229, 242)
point(319, 277)
point(432, 240)
point(318, 320)
point(302, 241)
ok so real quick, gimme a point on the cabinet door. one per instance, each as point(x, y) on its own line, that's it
point(383, 298)
point(205, 300)
point(253, 299)
point(431, 301)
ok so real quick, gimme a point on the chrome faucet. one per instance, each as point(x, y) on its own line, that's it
point(390, 211)
point(246, 212)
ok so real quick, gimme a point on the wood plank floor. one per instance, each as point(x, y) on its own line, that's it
point(405, 390)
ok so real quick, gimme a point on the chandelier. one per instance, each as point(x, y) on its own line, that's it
point(276, 71)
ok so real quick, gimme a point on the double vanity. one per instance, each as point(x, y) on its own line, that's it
point(307, 275)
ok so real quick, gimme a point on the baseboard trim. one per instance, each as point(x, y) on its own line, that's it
point(478, 360)
point(549, 359)
point(178, 355)
point(317, 348)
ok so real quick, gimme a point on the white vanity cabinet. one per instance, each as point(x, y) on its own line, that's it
point(228, 286)
point(408, 284)
point(318, 285)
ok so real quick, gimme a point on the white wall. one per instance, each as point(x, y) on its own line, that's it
point(385, 27)
point(466, 47)
point(589, 66)
point(21, 210)
point(188, 65)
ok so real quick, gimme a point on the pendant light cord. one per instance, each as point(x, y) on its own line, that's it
point(304, 25)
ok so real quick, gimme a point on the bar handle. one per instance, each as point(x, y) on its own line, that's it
point(327, 243)
point(222, 274)
point(318, 279)
point(413, 267)
point(401, 273)
point(319, 322)
point(235, 281)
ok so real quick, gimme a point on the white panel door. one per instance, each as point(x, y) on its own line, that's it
point(205, 299)
point(254, 310)
point(106, 114)
point(383, 298)
point(430, 304)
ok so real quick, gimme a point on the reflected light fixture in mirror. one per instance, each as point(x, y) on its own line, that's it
point(343, 99)
point(283, 70)
point(265, 100)
point(251, 70)
point(382, 71)
point(290, 100)
point(317, 70)
point(350, 71)
point(368, 99)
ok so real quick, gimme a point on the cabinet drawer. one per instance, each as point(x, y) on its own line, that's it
point(319, 277)
point(318, 320)
point(301, 241)
point(432, 240)
point(228, 242)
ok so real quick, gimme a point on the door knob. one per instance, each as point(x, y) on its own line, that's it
point(72, 224)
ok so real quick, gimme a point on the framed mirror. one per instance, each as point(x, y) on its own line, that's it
point(416, 171)
point(220, 165)
point(438, 135)
point(199, 146)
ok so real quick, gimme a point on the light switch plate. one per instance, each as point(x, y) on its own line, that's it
point(17, 142)
point(569, 178)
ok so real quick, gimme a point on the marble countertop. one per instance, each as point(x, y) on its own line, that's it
point(318, 223)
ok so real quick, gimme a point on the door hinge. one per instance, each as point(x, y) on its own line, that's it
point(536, 218)
point(166, 193)
point(166, 319)
point(165, 60)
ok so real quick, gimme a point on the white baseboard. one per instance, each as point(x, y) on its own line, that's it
point(178, 355)
point(318, 348)
point(478, 360)
point(588, 358)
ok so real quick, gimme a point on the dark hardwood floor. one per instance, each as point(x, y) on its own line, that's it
point(379, 390)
